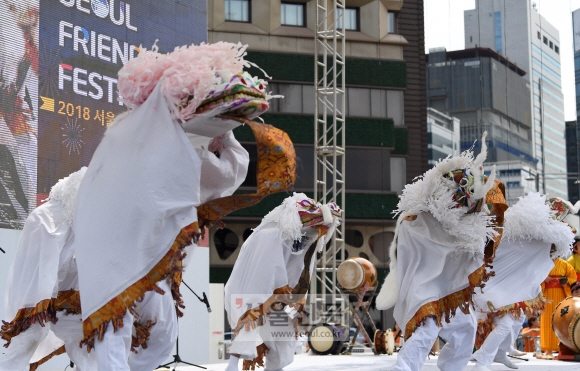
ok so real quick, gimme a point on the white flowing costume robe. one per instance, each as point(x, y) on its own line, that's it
point(140, 190)
point(266, 262)
point(429, 268)
point(220, 177)
point(513, 282)
point(44, 265)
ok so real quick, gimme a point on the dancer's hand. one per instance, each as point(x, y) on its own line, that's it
point(251, 319)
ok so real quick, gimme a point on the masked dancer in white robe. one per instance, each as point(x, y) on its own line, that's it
point(437, 250)
point(275, 266)
point(42, 289)
point(532, 237)
point(136, 207)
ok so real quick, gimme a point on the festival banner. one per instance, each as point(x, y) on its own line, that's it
point(58, 83)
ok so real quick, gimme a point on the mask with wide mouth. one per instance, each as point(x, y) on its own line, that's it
point(240, 95)
point(203, 80)
point(322, 217)
point(470, 182)
point(465, 184)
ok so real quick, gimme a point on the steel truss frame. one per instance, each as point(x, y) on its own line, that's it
point(329, 152)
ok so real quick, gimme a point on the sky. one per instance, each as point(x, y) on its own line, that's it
point(444, 27)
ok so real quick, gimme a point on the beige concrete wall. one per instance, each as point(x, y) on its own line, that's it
point(265, 32)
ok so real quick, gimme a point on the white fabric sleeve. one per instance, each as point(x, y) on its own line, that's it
point(220, 177)
point(261, 267)
point(33, 275)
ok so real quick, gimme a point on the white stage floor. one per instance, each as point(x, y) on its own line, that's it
point(370, 362)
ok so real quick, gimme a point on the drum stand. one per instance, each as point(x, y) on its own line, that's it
point(364, 305)
point(567, 354)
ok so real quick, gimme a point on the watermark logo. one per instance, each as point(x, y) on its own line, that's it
point(286, 317)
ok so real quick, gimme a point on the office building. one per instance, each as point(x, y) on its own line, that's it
point(572, 129)
point(518, 32)
point(487, 93)
point(444, 135)
point(573, 156)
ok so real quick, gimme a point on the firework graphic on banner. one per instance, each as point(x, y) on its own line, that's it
point(49, 61)
point(72, 134)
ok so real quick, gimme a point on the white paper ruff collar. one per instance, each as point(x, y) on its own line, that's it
point(531, 218)
point(65, 192)
point(453, 192)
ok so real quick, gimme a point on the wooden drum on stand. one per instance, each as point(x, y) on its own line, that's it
point(355, 274)
point(566, 323)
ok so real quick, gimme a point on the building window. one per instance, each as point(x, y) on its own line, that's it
point(551, 45)
point(293, 14)
point(226, 242)
point(545, 40)
point(498, 33)
point(238, 10)
point(539, 36)
point(392, 23)
point(557, 49)
point(470, 39)
point(351, 19)
point(354, 238)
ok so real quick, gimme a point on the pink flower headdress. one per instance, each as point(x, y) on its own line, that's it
point(192, 76)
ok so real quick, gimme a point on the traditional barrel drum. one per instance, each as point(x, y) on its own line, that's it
point(326, 339)
point(384, 342)
point(566, 323)
point(355, 274)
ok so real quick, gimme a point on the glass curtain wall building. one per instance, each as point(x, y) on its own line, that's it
point(572, 153)
point(444, 136)
point(572, 127)
point(485, 92)
point(516, 30)
point(576, 23)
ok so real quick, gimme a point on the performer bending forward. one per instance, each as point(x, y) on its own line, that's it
point(439, 242)
point(265, 294)
point(531, 238)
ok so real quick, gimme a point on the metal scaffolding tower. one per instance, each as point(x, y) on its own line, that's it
point(329, 149)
